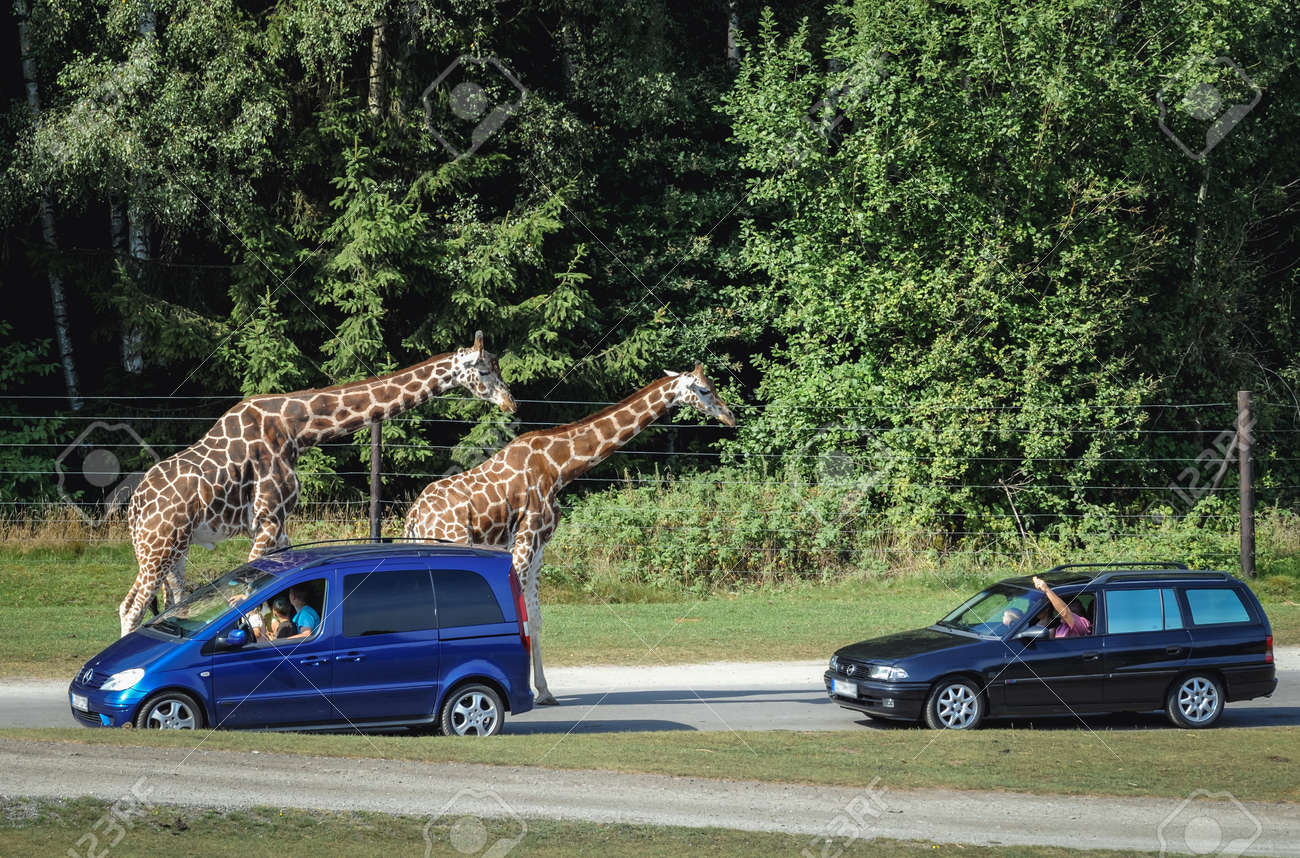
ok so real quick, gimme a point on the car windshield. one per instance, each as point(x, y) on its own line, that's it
point(994, 611)
point(211, 601)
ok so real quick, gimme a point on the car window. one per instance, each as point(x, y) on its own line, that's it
point(987, 611)
point(211, 601)
point(280, 620)
point(1134, 611)
point(465, 599)
point(1211, 606)
point(1173, 617)
point(377, 603)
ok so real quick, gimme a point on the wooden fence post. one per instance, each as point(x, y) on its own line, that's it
point(1246, 464)
point(374, 481)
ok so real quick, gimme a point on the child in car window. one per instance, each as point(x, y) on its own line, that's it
point(281, 625)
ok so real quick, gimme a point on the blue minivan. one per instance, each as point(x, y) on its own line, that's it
point(420, 635)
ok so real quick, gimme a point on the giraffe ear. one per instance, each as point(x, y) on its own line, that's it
point(478, 341)
point(671, 374)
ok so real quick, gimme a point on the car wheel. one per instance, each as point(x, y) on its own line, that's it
point(954, 704)
point(1195, 701)
point(174, 710)
point(472, 710)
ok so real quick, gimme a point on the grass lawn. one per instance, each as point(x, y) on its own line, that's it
point(1265, 762)
point(37, 827)
point(60, 608)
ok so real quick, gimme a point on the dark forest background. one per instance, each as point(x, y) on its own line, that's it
point(961, 267)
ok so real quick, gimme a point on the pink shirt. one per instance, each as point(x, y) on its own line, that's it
point(1080, 628)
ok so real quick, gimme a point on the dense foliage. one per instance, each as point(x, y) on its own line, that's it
point(943, 257)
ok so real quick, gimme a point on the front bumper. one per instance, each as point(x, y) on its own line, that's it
point(902, 700)
point(104, 709)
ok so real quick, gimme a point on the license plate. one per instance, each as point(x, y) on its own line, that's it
point(844, 688)
point(79, 701)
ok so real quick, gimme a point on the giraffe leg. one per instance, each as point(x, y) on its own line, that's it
point(154, 568)
point(544, 696)
point(173, 583)
point(269, 531)
point(528, 561)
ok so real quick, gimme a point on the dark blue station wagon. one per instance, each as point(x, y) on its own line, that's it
point(1168, 638)
point(423, 635)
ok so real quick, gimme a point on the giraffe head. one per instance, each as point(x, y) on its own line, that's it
point(477, 371)
point(694, 388)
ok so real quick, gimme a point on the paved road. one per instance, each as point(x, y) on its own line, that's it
point(462, 792)
point(771, 696)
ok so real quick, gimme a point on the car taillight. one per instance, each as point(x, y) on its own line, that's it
point(521, 610)
point(1268, 649)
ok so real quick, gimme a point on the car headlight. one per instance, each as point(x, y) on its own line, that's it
point(886, 672)
point(835, 662)
point(123, 679)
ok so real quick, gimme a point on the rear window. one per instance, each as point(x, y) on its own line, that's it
point(1141, 611)
point(1214, 606)
point(465, 599)
point(378, 603)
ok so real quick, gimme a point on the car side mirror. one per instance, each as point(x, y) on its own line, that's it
point(234, 639)
point(1033, 633)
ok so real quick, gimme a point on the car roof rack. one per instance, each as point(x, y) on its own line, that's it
point(368, 540)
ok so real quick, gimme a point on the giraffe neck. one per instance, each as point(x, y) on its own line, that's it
point(315, 416)
point(590, 441)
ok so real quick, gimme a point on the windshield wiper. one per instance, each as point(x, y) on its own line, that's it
point(168, 626)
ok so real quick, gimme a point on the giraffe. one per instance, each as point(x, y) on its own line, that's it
point(510, 501)
point(239, 477)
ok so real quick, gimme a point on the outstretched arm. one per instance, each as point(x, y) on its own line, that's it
point(1067, 616)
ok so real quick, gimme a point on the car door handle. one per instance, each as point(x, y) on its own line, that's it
point(1091, 656)
point(1173, 650)
point(352, 656)
point(313, 659)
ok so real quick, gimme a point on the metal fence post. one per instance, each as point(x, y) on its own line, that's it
point(374, 481)
point(1246, 464)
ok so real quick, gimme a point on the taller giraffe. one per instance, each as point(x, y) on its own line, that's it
point(511, 500)
point(239, 477)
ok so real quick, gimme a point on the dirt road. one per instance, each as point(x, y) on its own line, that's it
point(226, 779)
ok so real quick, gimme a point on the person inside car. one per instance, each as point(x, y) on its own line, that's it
point(1073, 624)
point(1010, 617)
point(281, 624)
point(306, 620)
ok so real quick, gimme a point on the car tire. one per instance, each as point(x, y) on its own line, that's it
point(1195, 701)
point(171, 710)
point(954, 704)
point(472, 710)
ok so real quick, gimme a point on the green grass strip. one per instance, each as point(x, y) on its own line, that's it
point(1254, 764)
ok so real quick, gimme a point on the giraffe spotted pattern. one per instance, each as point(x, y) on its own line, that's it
point(240, 477)
point(511, 500)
